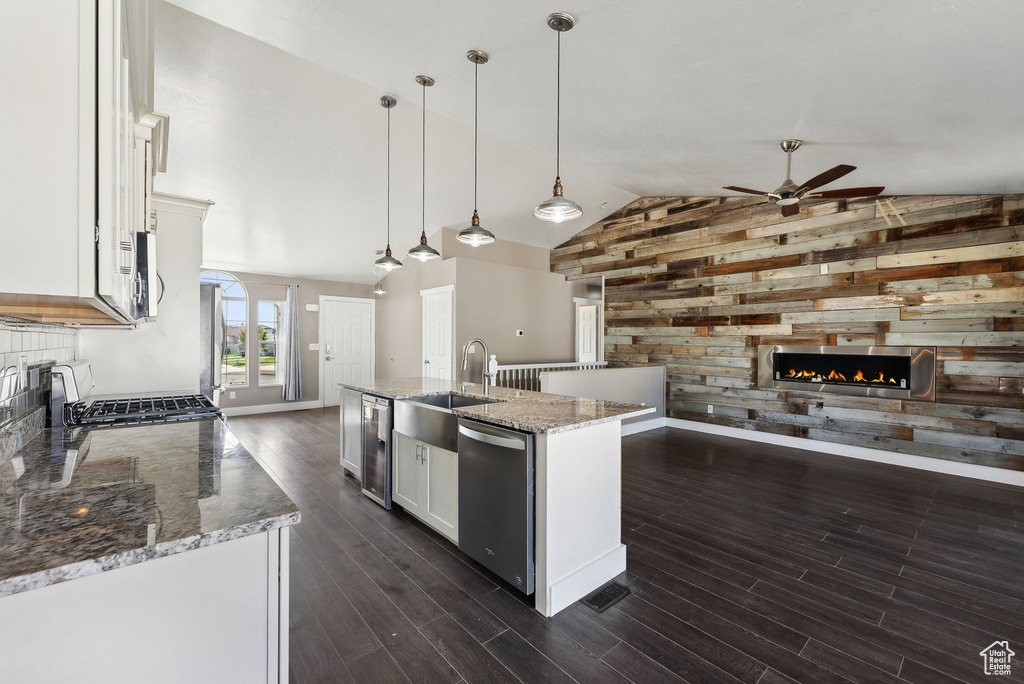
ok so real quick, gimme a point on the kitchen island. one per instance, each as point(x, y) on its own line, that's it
point(153, 553)
point(577, 475)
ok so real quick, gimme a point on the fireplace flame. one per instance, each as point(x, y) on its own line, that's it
point(837, 376)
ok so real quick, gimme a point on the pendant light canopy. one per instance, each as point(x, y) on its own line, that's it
point(423, 251)
point(475, 235)
point(388, 262)
point(558, 208)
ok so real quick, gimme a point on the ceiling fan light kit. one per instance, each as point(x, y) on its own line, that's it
point(388, 262)
point(789, 194)
point(476, 235)
point(424, 252)
point(559, 208)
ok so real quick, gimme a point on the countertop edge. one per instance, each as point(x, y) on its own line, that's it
point(76, 570)
point(402, 396)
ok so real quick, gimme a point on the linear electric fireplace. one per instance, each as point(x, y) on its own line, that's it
point(891, 372)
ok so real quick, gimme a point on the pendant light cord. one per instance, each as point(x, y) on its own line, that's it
point(423, 172)
point(476, 124)
point(558, 102)
point(389, 177)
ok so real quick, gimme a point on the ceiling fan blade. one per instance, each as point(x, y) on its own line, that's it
point(849, 193)
point(790, 209)
point(835, 173)
point(746, 190)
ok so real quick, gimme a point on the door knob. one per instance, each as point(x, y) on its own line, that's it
point(330, 358)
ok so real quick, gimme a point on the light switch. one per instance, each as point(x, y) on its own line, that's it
point(824, 269)
point(312, 307)
point(314, 346)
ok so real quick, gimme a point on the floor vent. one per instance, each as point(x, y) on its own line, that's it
point(607, 596)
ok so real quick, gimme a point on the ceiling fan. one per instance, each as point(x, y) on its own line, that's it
point(789, 194)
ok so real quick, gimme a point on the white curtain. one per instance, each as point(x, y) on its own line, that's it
point(292, 378)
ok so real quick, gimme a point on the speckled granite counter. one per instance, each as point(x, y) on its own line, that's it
point(109, 498)
point(518, 409)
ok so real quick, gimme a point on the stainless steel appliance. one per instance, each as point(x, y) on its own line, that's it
point(73, 405)
point(376, 465)
point(496, 500)
point(211, 340)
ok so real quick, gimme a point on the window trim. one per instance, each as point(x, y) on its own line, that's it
point(277, 343)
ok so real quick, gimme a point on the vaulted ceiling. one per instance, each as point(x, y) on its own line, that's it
point(274, 110)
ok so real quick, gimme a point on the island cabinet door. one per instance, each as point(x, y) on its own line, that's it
point(406, 476)
point(441, 501)
point(352, 431)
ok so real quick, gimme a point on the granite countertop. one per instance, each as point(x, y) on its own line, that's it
point(518, 409)
point(102, 499)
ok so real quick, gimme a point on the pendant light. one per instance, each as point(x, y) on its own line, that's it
point(388, 262)
point(378, 289)
point(558, 208)
point(423, 251)
point(476, 235)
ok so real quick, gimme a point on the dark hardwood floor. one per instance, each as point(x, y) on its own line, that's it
point(748, 563)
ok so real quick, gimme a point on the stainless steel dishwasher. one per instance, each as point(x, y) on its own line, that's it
point(376, 466)
point(496, 500)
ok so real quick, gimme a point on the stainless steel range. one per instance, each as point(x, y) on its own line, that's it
point(73, 405)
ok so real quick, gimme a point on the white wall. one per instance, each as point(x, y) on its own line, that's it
point(163, 354)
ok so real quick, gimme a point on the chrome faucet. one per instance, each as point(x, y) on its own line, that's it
point(488, 378)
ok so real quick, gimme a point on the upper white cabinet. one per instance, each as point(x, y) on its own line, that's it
point(78, 157)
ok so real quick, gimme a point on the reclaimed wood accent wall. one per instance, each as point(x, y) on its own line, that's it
point(695, 284)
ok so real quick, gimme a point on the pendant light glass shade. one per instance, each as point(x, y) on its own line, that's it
point(476, 235)
point(558, 208)
point(424, 252)
point(388, 262)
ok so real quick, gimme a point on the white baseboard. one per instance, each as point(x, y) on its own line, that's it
point(936, 465)
point(582, 581)
point(643, 425)
point(270, 408)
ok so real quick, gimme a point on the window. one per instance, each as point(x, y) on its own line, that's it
point(233, 301)
point(269, 330)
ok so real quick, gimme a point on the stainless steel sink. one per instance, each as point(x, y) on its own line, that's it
point(430, 419)
point(450, 401)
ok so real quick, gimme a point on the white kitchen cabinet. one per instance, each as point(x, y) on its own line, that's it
point(406, 475)
point(352, 431)
point(425, 482)
point(441, 488)
point(74, 162)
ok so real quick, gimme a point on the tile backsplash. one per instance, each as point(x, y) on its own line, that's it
point(37, 342)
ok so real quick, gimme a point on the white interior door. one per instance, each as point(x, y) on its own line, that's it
point(586, 333)
point(346, 350)
point(437, 333)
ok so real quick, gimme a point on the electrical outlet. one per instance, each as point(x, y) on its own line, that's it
point(231, 395)
point(519, 333)
point(824, 269)
point(472, 349)
point(711, 409)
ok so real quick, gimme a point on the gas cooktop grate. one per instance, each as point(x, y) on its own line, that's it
point(143, 410)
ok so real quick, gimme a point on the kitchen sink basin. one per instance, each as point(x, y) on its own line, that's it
point(450, 401)
point(430, 419)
